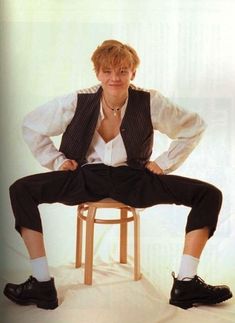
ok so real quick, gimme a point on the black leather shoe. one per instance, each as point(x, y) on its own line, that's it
point(42, 294)
point(188, 293)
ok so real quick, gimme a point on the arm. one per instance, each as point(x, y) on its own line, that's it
point(183, 127)
point(50, 119)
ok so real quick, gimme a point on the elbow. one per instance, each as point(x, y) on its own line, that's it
point(24, 127)
point(203, 125)
point(26, 134)
point(198, 128)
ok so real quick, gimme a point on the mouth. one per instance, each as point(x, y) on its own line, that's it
point(115, 85)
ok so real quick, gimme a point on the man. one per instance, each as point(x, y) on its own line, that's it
point(105, 152)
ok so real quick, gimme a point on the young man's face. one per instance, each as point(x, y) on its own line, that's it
point(115, 81)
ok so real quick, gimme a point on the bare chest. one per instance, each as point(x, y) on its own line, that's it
point(109, 128)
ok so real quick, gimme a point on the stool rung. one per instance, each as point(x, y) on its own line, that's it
point(108, 221)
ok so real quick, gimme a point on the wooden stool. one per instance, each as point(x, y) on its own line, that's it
point(90, 209)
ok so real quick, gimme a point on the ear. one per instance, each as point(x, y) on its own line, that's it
point(133, 75)
point(97, 75)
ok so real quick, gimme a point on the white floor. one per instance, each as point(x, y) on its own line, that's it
point(114, 297)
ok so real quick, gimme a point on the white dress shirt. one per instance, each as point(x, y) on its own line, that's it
point(112, 153)
point(51, 119)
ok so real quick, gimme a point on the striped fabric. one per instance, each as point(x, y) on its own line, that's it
point(136, 128)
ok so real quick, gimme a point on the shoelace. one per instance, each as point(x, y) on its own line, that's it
point(199, 280)
point(24, 286)
point(202, 282)
point(27, 283)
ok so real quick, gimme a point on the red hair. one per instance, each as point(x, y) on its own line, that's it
point(112, 53)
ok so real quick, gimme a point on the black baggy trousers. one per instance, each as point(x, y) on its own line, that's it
point(136, 187)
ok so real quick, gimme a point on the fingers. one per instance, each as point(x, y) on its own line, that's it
point(154, 168)
point(69, 165)
point(74, 164)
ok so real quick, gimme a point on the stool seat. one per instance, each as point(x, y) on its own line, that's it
point(107, 203)
point(87, 212)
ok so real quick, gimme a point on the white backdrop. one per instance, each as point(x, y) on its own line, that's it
point(187, 52)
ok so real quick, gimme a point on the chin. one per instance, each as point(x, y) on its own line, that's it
point(117, 89)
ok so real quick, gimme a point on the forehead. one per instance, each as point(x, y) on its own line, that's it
point(115, 68)
point(115, 62)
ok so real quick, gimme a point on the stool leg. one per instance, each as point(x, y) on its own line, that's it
point(78, 262)
point(137, 274)
point(123, 237)
point(89, 245)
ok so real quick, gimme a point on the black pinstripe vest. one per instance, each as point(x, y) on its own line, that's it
point(136, 128)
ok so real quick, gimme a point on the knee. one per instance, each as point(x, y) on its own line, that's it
point(216, 195)
point(16, 188)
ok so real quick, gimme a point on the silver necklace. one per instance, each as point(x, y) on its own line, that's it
point(114, 109)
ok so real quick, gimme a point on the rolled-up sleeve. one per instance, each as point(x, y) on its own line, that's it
point(50, 119)
point(183, 127)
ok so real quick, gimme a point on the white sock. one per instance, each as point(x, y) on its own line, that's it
point(188, 267)
point(40, 269)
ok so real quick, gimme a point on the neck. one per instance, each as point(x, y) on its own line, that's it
point(113, 108)
point(115, 101)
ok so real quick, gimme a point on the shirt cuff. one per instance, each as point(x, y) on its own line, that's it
point(59, 161)
point(162, 163)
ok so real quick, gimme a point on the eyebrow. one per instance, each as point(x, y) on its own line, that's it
point(120, 68)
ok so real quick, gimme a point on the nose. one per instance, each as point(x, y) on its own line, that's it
point(115, 76)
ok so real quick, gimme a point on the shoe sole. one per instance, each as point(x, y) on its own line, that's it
point(186, 304)
point(49, 305)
